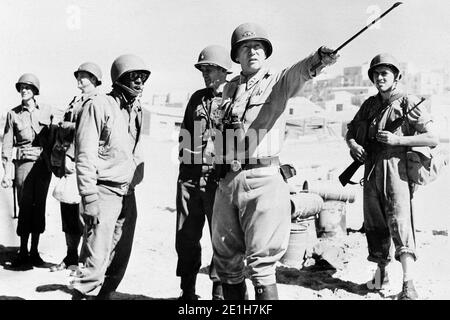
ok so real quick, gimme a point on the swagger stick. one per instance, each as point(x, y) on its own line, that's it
point(361, 31)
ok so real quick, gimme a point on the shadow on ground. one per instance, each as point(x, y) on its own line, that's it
point(7, 256)
point(76, 296)
point(10, 298)
point(318, 277)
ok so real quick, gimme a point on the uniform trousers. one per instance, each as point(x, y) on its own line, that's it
point(251, 224)
point(107, 245)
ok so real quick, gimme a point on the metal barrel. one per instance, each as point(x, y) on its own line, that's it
point(302, 237)
point(329, 190)
point(304, 205)
point(331, 220)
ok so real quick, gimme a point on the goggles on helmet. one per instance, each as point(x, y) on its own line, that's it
point(134, 75)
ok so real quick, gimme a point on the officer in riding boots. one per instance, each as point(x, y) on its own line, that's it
point(251, 218)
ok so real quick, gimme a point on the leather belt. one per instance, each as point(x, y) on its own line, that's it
point(249, 164)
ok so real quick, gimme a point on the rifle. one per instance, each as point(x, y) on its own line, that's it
point(347, 174)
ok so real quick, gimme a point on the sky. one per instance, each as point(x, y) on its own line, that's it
point(51, 38)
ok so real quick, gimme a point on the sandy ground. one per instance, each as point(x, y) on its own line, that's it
point(151, 271)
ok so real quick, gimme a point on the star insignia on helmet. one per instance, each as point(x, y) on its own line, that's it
point(248, 34)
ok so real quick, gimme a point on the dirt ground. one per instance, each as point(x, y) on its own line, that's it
point(151, 271)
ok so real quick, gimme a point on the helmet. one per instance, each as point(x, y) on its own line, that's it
point(215, 55)
point(126, 63)
point(92, 69)
point(249, 31)
point(29, 78)
point(383, 59)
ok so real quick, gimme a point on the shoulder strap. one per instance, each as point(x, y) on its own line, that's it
point(378, 111)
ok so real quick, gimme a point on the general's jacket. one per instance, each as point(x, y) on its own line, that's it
point(260, 102)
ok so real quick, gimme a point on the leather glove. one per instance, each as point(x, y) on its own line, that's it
point(90, 221)
point(326, 56)
point(90, 213)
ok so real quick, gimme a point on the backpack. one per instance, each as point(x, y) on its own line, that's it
point(425, 164)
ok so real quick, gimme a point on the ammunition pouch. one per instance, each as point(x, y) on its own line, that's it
point(425, 164)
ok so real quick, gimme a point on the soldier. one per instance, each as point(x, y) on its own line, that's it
point(27, 129)
point(251, 218)
point(387, 191)
point(109, 166)
point(89, 76)
point(196, 187)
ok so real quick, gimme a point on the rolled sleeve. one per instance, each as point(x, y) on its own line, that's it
point(418, 118)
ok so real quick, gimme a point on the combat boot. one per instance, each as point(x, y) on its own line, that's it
point(269, 292)
point(379, 281)
point(22, 260)
point(235, 291)
point(408, 291)
point(188, 286)
point(36, 259)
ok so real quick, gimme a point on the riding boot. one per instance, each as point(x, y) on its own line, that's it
point(235, 291)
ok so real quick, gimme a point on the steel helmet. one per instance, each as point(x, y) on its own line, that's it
point(126, 63)
point(92, 69)
point(31, 79)
point(215, 55)
point(384, 59)
point(249, 31)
